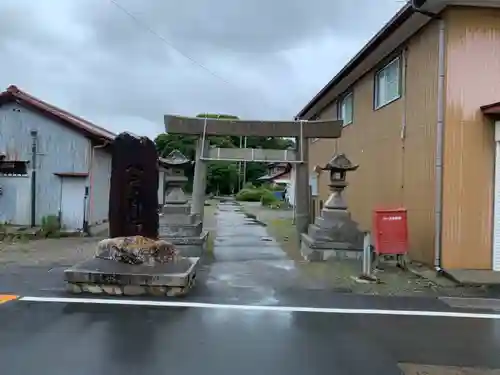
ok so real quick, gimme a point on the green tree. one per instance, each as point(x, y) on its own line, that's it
point(222, 177)
point(166, 143)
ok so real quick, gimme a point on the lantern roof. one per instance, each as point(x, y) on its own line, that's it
point(340, 162)
point(175, 158)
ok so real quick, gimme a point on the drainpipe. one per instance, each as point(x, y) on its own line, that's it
point(91, 185)
point(438, 166)
point(404, 122)
point(440, 146)
point(34, 142)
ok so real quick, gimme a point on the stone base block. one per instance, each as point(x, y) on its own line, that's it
point(189, 246)
point(322, 251)
point(177, 209)
point(107, 277)
point(180, 230)
point(130, 290)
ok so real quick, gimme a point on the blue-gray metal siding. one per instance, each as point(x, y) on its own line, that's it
point(60, 149)
point(14, 201)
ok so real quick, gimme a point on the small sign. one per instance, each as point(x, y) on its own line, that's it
point(313, 183)
point(392, 218)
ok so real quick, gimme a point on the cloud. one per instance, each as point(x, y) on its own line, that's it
point(255, 59)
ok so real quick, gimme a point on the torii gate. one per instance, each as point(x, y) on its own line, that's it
point(300, 130)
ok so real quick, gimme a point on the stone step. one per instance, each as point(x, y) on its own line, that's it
point(176, 209)
point(172, 219)
point(180, 230)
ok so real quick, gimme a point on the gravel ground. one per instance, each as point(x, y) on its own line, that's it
point(65, 251)
point(340, 275)
point(48, 251)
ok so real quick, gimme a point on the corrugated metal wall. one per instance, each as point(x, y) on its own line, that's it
point(473, 80)
point(14, 201)
point(393, 171)
point(60, 149)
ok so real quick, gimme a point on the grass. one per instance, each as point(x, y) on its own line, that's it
point(209, 224)
point(283, 231)
point(210, 243)
point(339, 274)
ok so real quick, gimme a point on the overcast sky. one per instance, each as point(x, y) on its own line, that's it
point(262, 59)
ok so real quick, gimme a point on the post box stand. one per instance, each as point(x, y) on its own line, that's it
point(390, 229)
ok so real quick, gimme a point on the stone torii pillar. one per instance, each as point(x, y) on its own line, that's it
point(302, 198)
point(199, 180)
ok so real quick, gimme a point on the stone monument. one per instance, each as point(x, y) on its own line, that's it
point(133, 261)
point(334, 234)
point(177, 225)
point(133, 192)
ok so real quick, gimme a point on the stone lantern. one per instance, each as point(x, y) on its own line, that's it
point(175, 178)
point(334, 234)
point(177, 224)
point(338, 167)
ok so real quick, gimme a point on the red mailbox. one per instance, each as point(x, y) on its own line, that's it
point(390, 228)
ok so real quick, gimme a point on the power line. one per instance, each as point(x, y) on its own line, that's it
point(164, 40)
point(171, 45)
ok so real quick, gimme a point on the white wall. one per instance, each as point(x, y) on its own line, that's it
point(290, 190)
point(99, 193)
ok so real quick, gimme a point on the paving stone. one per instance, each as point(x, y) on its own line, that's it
point(112, 290)
point(73, 288)
point(94, 289)
point(158, 291)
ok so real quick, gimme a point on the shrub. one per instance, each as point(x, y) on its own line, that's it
point(249, 195)
point(268, 198)
point(50, 226)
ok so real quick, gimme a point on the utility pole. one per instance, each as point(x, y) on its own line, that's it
point(240, 185)
point(245, 165)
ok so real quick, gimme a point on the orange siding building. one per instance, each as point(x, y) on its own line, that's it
point(413, 93)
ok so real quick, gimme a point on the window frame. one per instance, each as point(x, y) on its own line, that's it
point(376, 100)
point(340, 105)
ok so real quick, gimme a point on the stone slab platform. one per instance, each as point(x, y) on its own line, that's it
point(475, 277)
point(102, 276)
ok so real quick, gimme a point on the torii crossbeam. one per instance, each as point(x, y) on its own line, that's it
point(211, 126)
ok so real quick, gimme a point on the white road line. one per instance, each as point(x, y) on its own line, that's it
point(129, 302)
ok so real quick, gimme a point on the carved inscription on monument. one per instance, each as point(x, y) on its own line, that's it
point(134, 211)
point(133, 200)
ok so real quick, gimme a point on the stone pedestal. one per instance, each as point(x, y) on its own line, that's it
point(177, 225)
point(185, 231)
point(334, 234)
point(108, 277)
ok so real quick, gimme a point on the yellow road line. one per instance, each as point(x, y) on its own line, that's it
point(7, 297)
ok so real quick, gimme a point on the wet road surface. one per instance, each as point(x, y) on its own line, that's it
point(60, 339)
point(249, 269)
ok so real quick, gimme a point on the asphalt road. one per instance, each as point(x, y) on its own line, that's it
point(250, 313)
point(79, 338)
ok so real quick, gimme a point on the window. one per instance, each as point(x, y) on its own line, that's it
point(346, 109)
point(387, 84)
